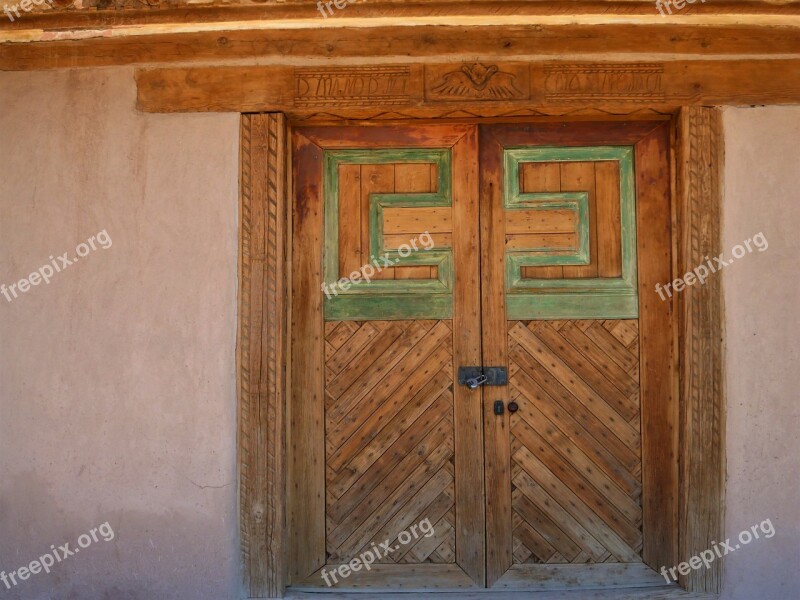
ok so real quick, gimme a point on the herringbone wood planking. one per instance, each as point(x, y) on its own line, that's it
point(575, 441)
point(389, 438)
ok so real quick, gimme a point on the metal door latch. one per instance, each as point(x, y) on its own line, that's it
point(472, 377)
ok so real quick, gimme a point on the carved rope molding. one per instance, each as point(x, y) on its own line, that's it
point(701, 349)
point(262, 353)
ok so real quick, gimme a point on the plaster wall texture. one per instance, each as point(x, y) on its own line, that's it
point(762, 321)
point(117, 379)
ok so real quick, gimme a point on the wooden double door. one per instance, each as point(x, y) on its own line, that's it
point(528, 253)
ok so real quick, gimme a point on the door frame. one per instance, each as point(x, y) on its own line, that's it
point(263, 348)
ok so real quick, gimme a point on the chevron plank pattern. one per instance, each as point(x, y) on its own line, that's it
point(389, 438)
point(575, 441)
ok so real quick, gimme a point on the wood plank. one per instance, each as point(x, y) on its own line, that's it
point(382, 371)
point(569, 510)
point(658, 360)
point(533, 541)
point(610, 345)
point(359, 367)
point(609, 232)
point(374, 179)
point(554, 498)
point(567, 377)
point(702, 495)
point(586, 577)
point(615, 374)
point(590, 374)
point(424, 386)
point(435, 496)
point(394, 241)
point(93, 16)
point(262, 352)
point(542, 522)
point(351, 256)
point(526, 241)
point(387, 475)
point(391, 504)
point(442, 530)
point(467, 331)
point(540, 221)
point(563, 458)
point(739, 82)
point(433, 372)
point(413, 178)
point(351, 348)
point(433, 219)
point(498, 511)
point(541, 177)
point(381, 577)
point(579, 177)
point(561, 407)
point(306, 474)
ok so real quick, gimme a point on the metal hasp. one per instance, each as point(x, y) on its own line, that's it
point(473, 377)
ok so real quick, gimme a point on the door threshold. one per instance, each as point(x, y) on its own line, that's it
point(666, 592)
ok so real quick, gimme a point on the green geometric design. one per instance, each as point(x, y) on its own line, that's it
point(587, 298)
point(548, 255)
point(388, 299)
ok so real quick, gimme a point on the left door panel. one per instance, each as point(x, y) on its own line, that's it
point(385, 449)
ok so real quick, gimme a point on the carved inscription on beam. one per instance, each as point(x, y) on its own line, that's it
point(353, 86)
point(477, 81)
point(635, 82)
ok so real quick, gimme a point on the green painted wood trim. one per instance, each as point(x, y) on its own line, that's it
point(572, 306)
point(389, 307)
point(593, 297)
point(384, 299)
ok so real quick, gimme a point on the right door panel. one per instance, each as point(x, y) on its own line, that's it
point(561, 308)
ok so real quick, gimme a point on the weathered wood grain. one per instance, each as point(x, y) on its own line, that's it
point(262, 353)
point(555, 87)
point(702, 418)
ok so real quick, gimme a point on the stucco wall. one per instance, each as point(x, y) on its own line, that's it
point(117, 395)
point(117, 381)
point(762, 302)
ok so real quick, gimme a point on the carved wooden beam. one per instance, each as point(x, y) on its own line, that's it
point(468, 89)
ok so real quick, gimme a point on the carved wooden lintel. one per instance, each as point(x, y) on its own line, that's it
point(603, 82)
point(353, 86)
point(480, 87)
